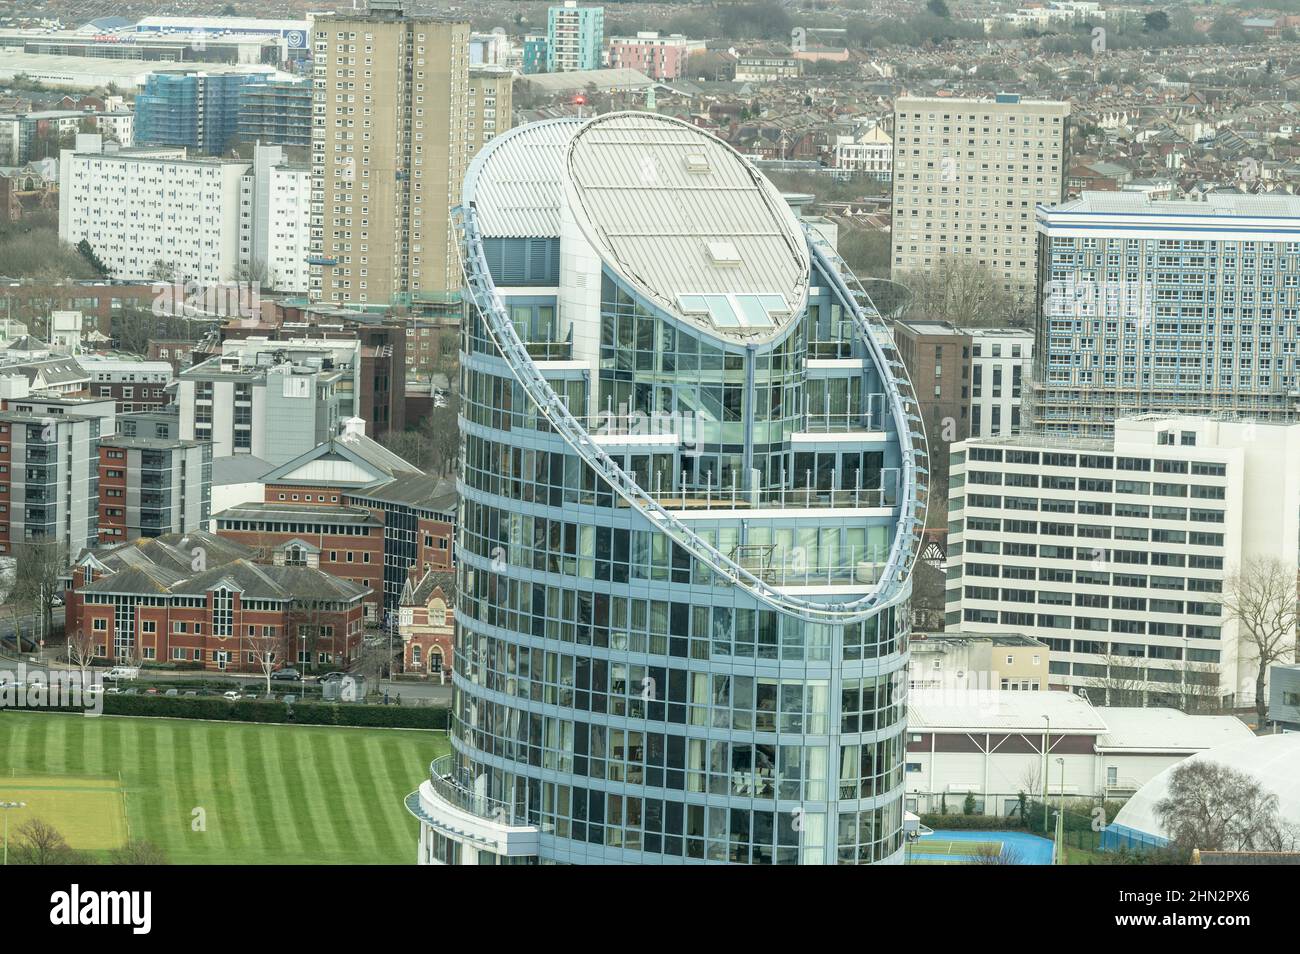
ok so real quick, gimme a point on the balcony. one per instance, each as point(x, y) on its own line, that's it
point(453, 808)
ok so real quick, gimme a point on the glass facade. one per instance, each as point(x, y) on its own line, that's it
point(683, 568)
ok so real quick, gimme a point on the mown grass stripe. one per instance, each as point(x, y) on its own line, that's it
point(287, 781)
point(236, 815)
point(273, 820)
point(405, 764)
point(330, 757)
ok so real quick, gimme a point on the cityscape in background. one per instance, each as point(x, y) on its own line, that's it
point(779, 433)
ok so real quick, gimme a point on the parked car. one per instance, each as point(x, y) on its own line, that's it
point(122, 672)
point(232, 695)
point(332, 676)
point(191, 692)
point(288, 672)
point(153, 691)
point(172, 692)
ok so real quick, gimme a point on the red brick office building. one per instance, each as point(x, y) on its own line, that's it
point(199, 601)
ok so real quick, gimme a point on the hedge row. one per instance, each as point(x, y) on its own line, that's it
point(301, 713)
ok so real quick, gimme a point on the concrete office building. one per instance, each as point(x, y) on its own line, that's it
point(139, 208)
point(1001, 362)
point(1175, 307)
point(720, 645)
point(575, 37)
point(150, 486)
point(388, 156)
point(271, 399)
point(1115, 553)
point(968, 174)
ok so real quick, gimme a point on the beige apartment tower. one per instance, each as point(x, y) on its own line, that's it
point(968, 174)
point(389, 153)
point(491, 103)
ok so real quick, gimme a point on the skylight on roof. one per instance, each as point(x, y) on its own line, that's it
point(723, 253)
point(736, 312)
point(696, 163)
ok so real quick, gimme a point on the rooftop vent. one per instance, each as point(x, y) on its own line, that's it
point(723, 253)
point(697, 163)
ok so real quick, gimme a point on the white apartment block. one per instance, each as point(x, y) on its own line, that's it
point(1115, 552)
point(1167, 307)
point(968, 174)
point(275, 239)
point(141, 207)
point(1000, 365)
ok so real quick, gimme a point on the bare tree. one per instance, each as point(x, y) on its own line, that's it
point(139, 853)
point(267, 651)
point(81, 650)
point(1121, 683)
point(39, 567)
point(1260, 597)
point(37, 842)
point(1214, 807)
point(962, 292)
point(1199, 689)
point(994, 853)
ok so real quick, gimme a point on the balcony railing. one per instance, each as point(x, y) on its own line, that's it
point(460, 793)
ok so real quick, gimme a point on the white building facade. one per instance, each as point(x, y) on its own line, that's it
point(1116, 553)
point(143, 210)
point(1000, 365)
point(275, 223)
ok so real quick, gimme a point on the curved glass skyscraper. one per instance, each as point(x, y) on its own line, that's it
point(690, 500)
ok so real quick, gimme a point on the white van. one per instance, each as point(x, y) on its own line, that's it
point(122, 672)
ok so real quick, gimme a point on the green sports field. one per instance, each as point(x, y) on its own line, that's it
point(265, 794)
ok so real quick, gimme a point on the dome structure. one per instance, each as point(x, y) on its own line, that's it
point(1272, 760)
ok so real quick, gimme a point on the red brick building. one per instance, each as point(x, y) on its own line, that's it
point(426, 626)
point(200, 601)
point(345, 542)
point(351, 495)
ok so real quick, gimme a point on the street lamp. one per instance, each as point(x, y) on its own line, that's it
point(1047, 732)
point(6, 806)
point(1060, 819)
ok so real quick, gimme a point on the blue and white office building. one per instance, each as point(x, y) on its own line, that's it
point(1166, 306)
point(691, 493)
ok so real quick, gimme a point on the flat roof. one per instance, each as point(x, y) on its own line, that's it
point(1156, 729)
point(1214, 204)
point(943, 710)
